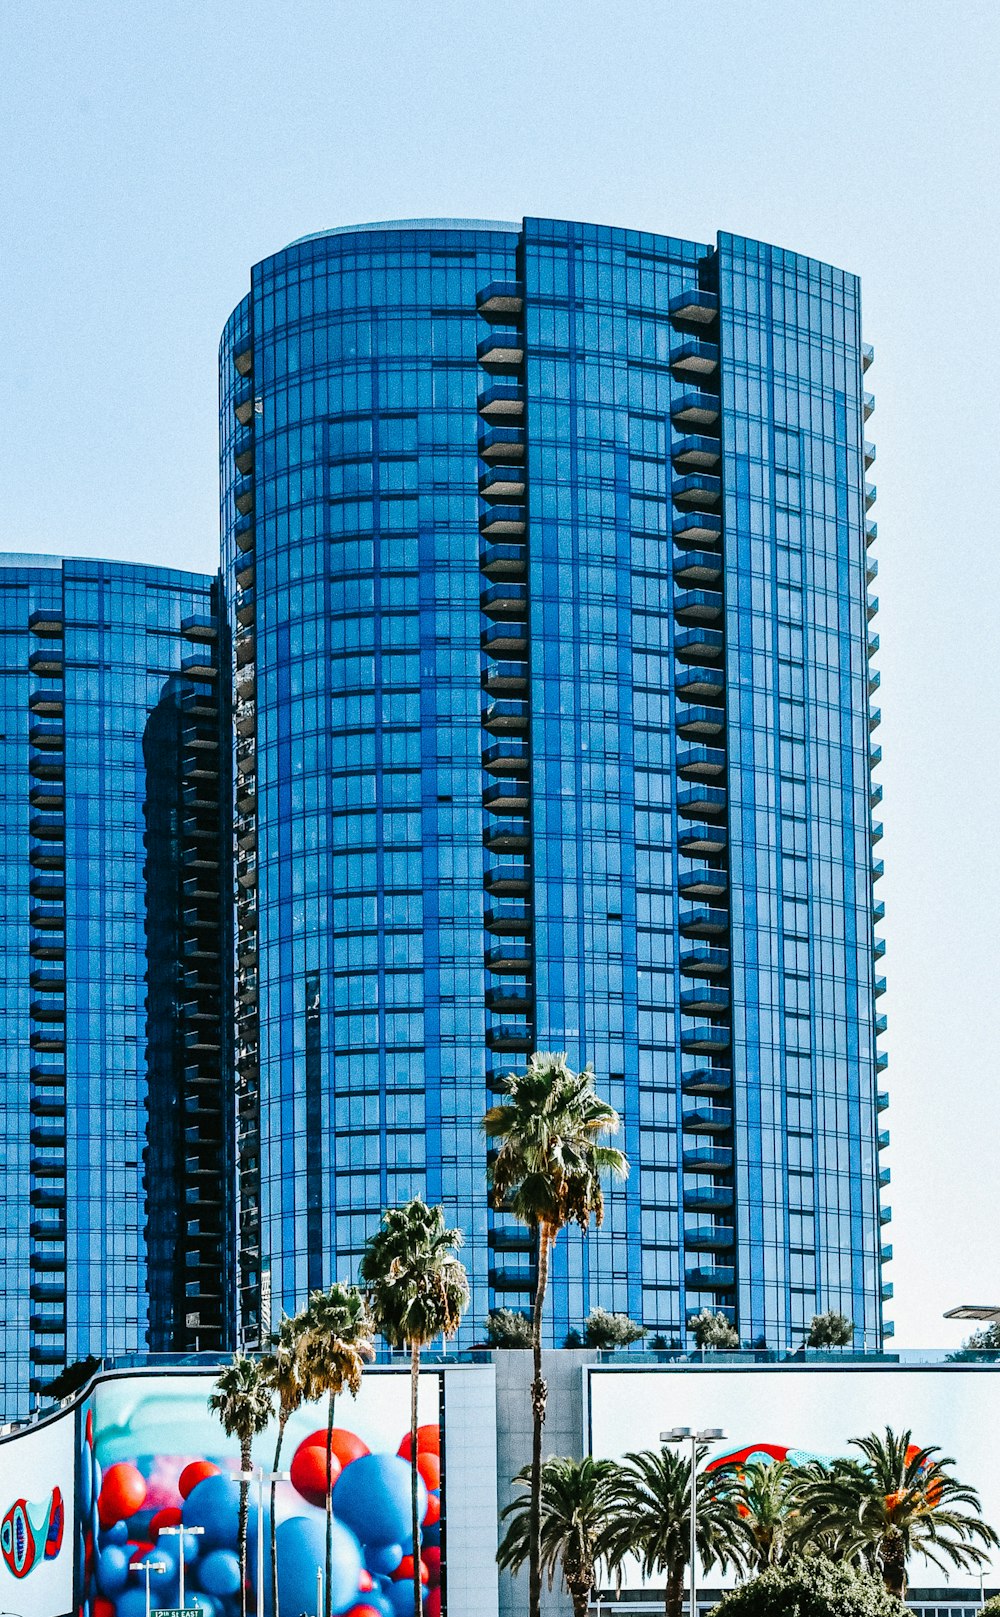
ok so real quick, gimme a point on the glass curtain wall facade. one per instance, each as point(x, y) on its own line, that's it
point(545, 556)
point(115, 964)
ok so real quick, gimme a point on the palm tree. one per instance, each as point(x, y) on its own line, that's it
point(285, 1374)
point(575, 1500)
point(417, 1290)
point(242, 1400)
point(547, 1172)
point(898, 1500)
point(763, 1496)
point(336, 1344)
point(650, 1518)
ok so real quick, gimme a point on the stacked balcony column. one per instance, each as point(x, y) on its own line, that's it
point(701, 770)
point(245, 854)
point(201, 990)
point(47, 979)
point(875, 798)
point(504, 599)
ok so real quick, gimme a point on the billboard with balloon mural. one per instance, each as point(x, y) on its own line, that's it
point(151, 1457)
point(36, 1527)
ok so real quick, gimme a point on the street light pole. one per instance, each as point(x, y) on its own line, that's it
point(147, 1566)
point(686, 1434)
point(260, 1476)
point(178, 1533)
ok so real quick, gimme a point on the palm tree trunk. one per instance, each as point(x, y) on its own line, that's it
point(328, 1586)
point(579, 1594)
point(246, 1462)
point(675, 1590)
point(414, 1517)
point(539, 1394)
point(894, 1565)
point(274, 1532)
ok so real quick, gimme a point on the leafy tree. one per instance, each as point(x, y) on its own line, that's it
point(242, 1399)
point(547, 1172)
point(609, 1331)
point(336, 1344)
point(286, 1375)
point(417, 1289)
point(896, 1501)
point(763, 1497)
point(991, 1608)
point(574, 1524)
point(506, 1328)
point(811, 1587)
point(713, 1330)
point(984, 1341)
point(830, 1330)
point(649, 1509)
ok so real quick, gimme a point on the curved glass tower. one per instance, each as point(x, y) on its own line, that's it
point(115, 1171)
point(545, 551)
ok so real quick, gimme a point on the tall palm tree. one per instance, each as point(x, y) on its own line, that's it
point(336, 1344)
point(575, 1516)
point(285, 1374)
point(896, 1501)
point(763, 1496)
point(547, 1172)
point(242, 1399)
point(417, 1290)
point(650, 1518)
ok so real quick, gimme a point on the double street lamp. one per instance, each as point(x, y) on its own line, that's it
point(178, 1532)
point(687, 1434)
point(147, 1566)
point(260, 1476)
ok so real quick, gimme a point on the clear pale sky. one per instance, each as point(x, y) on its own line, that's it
point(153, 152)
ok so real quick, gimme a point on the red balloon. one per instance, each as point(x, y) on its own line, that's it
point(433, 1512)
point(194, 1473)
point(102, 1608)
point(345, 1446)
point(308, 1472)
point(405, 1570)
point(365, 1581)
point(431, 1557)
point(428, 1442)
point(363, 1610)
point(432, 1604)
point(429, 1467)
point(170, 1516)
point(122, 1493)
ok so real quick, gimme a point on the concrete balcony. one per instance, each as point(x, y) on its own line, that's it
point(701, 841)
point(705, 1038)
point(701, 763)
point(703, 882)
point(701, 723)
point(696, 454)
point(711, 1081)
point(697, 567)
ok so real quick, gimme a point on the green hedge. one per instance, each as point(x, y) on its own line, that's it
point(811, 1587)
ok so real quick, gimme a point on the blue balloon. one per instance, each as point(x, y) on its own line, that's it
point(85, 1490)
point(132, 1603)
point(383, 1558)
point(372, 1495)
point(118, 1534)
point(219, 1573)
point(112, 1571)
point(400, 1597)
point(432, 1534)
point(214, 1504)
point(301, 1544)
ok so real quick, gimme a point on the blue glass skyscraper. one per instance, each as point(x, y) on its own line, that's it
point(546, 557)
point(117, 1213)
